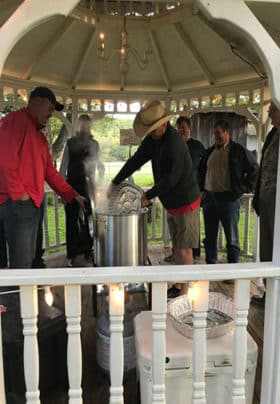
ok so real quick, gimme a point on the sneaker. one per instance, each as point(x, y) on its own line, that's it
point(173, 292)
point(80, 261)
point(169, 258)
point(39, 263)
point(258, 299)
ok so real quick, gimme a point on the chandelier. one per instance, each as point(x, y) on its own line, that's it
point(124, 51)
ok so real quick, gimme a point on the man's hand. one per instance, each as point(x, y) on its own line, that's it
point(202, 195)
point(144, 201)
point(24, 197)
point(110, 190)
point(81, 201)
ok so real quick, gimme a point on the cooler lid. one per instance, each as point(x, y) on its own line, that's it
point(179, 348)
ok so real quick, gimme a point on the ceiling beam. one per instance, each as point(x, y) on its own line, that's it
point(45, 49)
point(84, 56)
point(196, 55)
point(159, 60)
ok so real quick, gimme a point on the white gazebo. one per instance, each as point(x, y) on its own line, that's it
point(104, 56)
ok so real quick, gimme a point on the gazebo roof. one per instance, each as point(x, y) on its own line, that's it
point(184, 49)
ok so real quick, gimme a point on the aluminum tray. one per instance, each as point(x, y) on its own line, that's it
point(179, 307)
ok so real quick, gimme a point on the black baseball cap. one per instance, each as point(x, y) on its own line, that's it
point(45, 92)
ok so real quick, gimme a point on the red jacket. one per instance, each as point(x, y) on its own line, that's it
point(25, 161)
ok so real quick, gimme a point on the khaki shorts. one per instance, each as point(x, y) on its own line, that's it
point(184, 229)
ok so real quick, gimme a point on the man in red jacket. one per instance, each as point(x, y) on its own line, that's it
point(25, 164)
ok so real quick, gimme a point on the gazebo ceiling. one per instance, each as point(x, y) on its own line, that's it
point(184, 49)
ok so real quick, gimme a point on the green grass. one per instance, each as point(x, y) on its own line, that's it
point(143, 180)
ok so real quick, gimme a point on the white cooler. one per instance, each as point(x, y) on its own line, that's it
point(179, 365)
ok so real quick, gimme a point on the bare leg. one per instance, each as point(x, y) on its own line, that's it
point(184, 257)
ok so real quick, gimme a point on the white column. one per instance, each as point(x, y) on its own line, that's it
point(29, 313)
point(200, 308)
point(27, 16)
point(241, 302)
point(271, 347)
point(116, 305)
point(74, 349)
point(159, 307)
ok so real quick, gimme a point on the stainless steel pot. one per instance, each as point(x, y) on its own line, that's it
point(121, 240)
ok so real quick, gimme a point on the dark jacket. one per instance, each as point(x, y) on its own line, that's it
point(243, 169)
point(174, 176)
point(84, 158)
point(256, 199)
point(197, 151)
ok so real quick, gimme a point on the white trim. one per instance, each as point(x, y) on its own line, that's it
point(83, 276)
point(27, 16)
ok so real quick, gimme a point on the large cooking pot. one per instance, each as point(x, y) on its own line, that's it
point(121, 239)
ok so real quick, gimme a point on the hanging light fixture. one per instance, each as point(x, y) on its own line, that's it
point(124, 51)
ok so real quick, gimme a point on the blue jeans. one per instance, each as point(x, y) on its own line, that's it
point(20, 220)
point(219, 207)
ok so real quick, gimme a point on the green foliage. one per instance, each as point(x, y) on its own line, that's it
point(55, 126)
point(107, 132)
point(13, 103)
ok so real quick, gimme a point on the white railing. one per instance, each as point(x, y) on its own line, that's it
point(28, 280)
point(54, 223)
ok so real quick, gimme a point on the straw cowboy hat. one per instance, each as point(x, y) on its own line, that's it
point(150, 117)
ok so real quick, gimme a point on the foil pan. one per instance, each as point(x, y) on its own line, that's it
point(219, 317)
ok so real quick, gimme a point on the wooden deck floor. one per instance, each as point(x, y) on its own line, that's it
point(95, 383)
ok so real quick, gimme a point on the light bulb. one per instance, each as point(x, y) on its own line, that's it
point(48, 296)
point(194, 292)
point(123, 51)
point(101, 36)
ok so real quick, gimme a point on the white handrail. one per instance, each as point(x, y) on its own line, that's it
point(167, 273)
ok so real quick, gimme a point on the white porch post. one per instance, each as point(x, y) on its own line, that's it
point(29, 14)
point(236, 13)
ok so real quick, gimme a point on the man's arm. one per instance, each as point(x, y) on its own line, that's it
point(142, 155)
point(252, 171)
point(57, 182)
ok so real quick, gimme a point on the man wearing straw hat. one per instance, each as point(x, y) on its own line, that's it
point(174, 177)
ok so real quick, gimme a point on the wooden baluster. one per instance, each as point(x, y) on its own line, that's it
point(2, 384)
point(56, 220)
point(116, 304)
point(200, 308)
point(74, 351)
point(246, 241)
point(165, 228)
point(241, 302)
point(159, 306)
point(29, 313)
point(46, 225)
point(154, 218)
point(220, 238)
